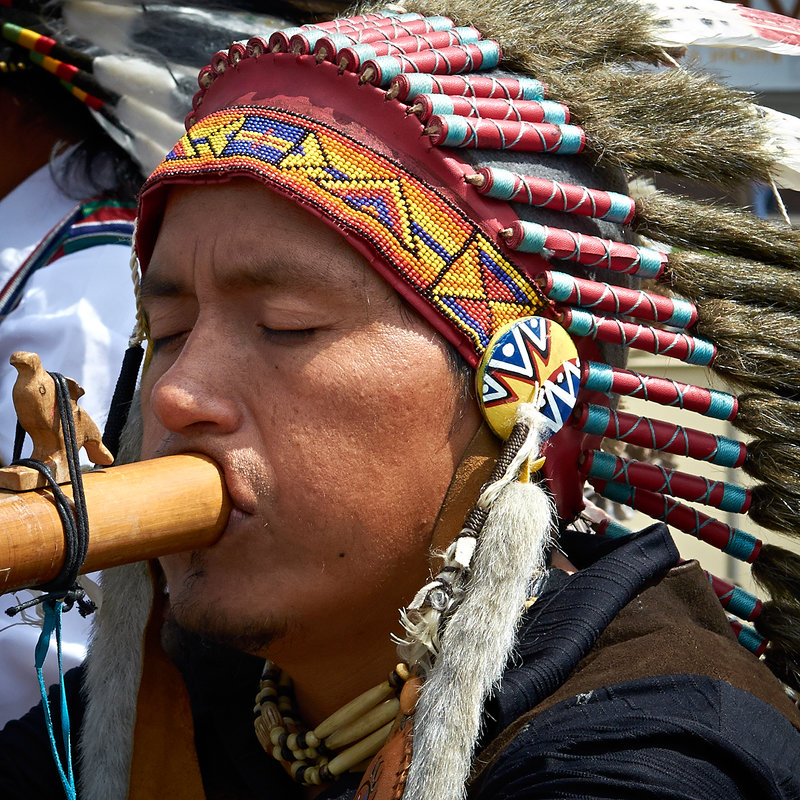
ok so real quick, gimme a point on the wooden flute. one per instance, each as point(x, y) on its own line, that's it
point(136, 512)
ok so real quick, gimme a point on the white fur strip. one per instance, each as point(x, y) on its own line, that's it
point(477, 641)
point(113, 670)
point(537, 424)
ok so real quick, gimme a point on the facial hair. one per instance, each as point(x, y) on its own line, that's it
point(248, 634)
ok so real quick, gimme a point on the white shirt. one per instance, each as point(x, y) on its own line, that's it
point(77, 314)
point(27, 213)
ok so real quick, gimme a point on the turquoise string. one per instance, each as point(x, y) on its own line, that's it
point(52, 622)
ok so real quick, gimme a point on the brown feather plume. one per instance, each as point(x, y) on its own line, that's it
point(686, 223)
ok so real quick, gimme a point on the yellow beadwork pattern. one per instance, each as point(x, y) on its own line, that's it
point(425, 240)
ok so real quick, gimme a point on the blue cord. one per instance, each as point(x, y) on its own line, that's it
point(52, 622)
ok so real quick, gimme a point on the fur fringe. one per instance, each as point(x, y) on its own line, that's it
point(686, 223)
point(776, 507)
point(778, 571)
point(526, 30)
point(111, 682)
point(780, 624)
point(764, 414)
point(701, 276)
point(766, 357)
point(675, 121)
point(477, 639)
point(773, 462)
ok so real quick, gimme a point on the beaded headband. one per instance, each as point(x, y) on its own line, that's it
point(385, 170)
point(422, 242)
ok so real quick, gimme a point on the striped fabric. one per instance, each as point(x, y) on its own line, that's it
point(89, 224)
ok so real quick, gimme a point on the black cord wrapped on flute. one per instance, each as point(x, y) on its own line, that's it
point(73, 515)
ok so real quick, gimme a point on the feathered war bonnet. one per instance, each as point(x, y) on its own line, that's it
point(476, 158)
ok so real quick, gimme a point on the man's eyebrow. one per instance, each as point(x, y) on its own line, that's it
point(159, 287)
point(253, 274)
point(273, 270)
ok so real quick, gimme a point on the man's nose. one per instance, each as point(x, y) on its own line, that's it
point(198, 393)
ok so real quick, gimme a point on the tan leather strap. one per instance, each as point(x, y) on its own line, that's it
point(471, 473)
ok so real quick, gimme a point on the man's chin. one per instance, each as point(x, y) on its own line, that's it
point(239, 630)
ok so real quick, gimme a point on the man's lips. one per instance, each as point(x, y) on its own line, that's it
point(242, 495)
point(242, 498)
point(237, 516)
point(234, 526)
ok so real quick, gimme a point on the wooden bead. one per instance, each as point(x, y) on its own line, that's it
point(312, 740)
point(295, 767)
point(267, 691)
point(311, 776)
